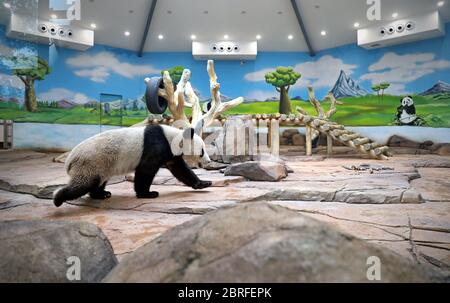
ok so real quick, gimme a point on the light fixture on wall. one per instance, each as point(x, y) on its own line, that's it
point(93, 25)
point(7, 5)
point(356, 24)
point(226, 37)
point(290, 37)
point(323, 33)
point(258, 37)
point(127, 33)
point(53, 16)
point(394, 15)
point(441, 3)
point(160, 37)
point(193, 37)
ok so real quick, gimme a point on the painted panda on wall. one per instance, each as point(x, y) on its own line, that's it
point(118, 152)
point(406, 112)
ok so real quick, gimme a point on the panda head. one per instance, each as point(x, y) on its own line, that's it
point(190, 144)
point(407, 101)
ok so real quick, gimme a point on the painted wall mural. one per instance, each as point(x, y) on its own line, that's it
point(371, 85)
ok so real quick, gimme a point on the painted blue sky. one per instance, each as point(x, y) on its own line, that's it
point(83, 76)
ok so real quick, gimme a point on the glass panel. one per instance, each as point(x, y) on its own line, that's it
point(111, 112)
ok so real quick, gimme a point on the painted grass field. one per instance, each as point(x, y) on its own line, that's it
point(362, 111)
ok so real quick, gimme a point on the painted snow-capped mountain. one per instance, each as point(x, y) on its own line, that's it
point(438, 88)
point(347, 87)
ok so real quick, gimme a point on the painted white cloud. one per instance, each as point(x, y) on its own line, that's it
point(97, 74)
point(98, 67)
point(258, 75)
point(402, 69)
point(320, 73)
point(260, 95)
point(323, 72)
point(57, 94)
point(10, 81)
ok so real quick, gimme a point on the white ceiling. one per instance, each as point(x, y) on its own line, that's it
point(274, 20)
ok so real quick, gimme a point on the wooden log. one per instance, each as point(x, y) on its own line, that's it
point(275, 138)
point(329, 145)
point(361, 141)
point(370, 146)
point(337, 126)
point(306, 119)
point(348, 137)
point(317, 122)
point(308, 140)
point(340, 132)
point(381, 150)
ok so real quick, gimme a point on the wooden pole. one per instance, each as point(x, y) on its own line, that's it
point(275, 137)
point(308, 141)
point(329, 145)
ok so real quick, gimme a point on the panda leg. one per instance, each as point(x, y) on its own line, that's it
point(99, 192)
point(142, 181)
point(184, 173)
point(74, 190)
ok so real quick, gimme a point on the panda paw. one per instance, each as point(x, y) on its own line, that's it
point(202, 184)
point(101, 195)
point(148, 195)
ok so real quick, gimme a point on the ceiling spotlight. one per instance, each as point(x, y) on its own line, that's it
point(53, 16)
point(290, 37)
point(394, 15)
point(93, 25)
point(441, 3)
point(356, 24)
point(323, 33)
point(243, 12)
point(193, 37)
point(226, 37)
point(127, 33)
point(258, 37)
point(205, 12)
point(160, 37)
point(7, 5)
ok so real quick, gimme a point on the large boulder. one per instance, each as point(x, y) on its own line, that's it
point(258, 170)
point(258, 243)
point(442, 149)
point(39, 251)
point(298, 140)
point(398, 141)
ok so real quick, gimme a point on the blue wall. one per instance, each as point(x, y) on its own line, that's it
point(83, 76)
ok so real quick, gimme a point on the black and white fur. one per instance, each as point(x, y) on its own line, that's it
point(118, 152)
point(406, 112)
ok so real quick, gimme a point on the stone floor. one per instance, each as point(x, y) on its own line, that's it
point(404, 207)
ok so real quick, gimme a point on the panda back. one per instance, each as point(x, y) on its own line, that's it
point(110, 153)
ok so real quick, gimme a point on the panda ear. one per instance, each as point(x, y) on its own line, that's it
point(410, 97)
point(188, 133)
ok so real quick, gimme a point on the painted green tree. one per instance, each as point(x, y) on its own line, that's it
point(376, 88)
point(175, 73)
point(384, 86)
point(28, 76)
point(282, 78)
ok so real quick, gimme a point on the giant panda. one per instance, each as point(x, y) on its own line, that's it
point(141, 149)
point(406, 112)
